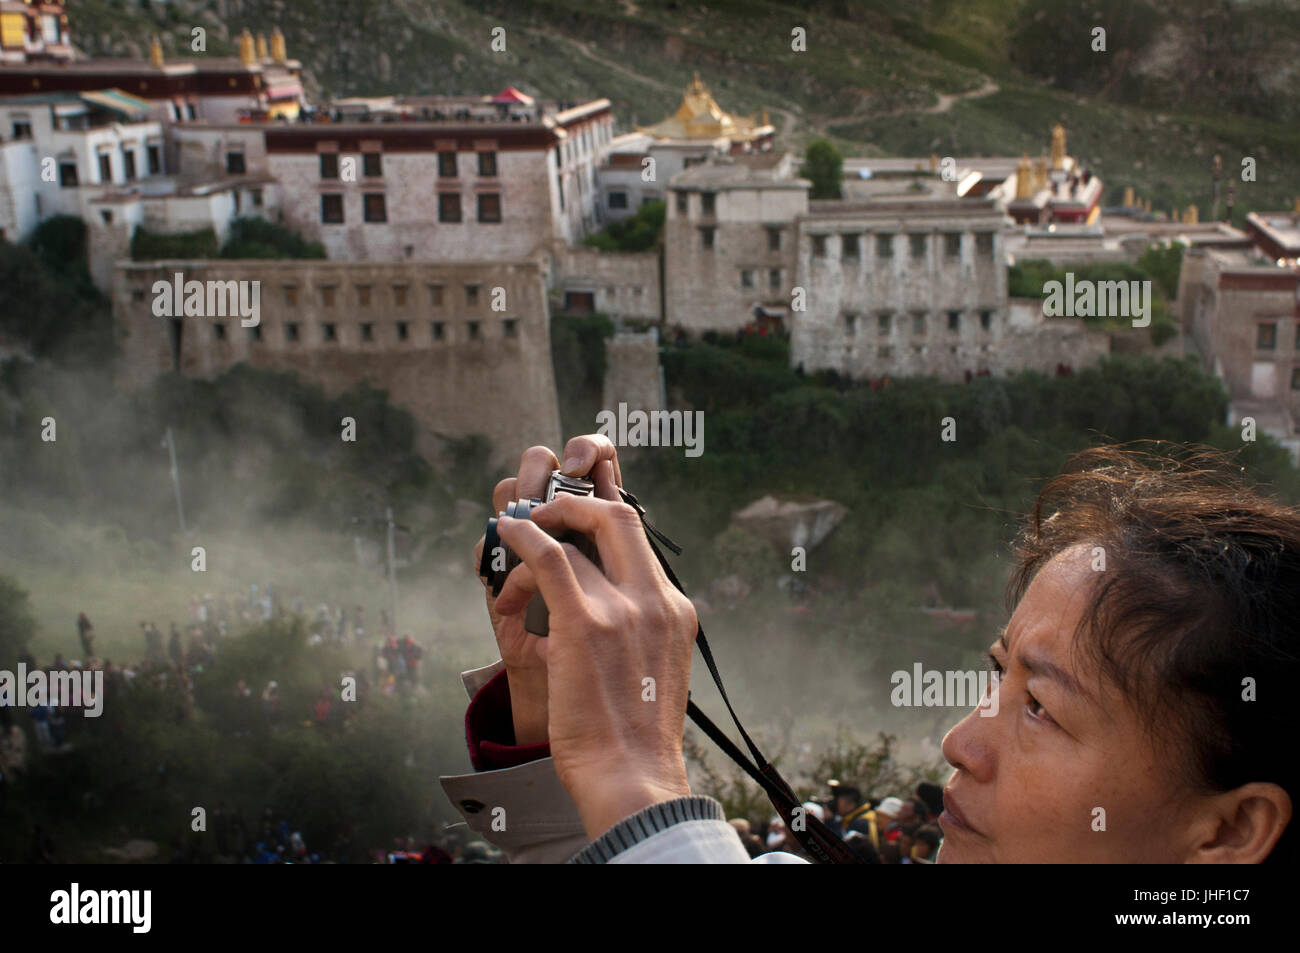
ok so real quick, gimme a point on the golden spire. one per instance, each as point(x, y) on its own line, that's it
point(1024, 188)
point(262, 52)
point(277, 46)
point(1040, 174)
point(1128, 196)
point(247, 50)
point(155, 51)
point(1192, 216)
point(766, 121)
point(1058, 146)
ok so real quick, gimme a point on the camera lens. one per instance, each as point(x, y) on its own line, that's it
point(490, 567)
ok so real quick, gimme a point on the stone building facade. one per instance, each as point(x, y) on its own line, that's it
point(462, 356)
point(1242, 314)
point(902, 287)
point(730, 241)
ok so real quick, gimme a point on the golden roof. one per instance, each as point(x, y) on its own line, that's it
point(700, 117)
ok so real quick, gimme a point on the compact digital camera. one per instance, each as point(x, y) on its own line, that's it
point(498, 559)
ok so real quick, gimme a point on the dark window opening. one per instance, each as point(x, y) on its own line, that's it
point(331, 209)
point(234, 163)
point(329, 165)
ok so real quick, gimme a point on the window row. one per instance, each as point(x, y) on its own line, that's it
point(1266, 335)
point(747, 278)
point(919, 321)
point(372, 164)
point(374, 207)
point(885, 352)
point(69, 177)
point(918, 244)
point(329, 331)
point(400, 294)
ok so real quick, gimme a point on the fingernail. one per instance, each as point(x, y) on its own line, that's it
point(571, 465)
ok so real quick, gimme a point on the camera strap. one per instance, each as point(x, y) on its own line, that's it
point(820, 841)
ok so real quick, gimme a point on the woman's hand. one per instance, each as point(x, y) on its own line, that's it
point(618, 657)
point(525, 668)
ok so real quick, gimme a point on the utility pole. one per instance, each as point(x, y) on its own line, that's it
point(170, 443)
point(392, 566)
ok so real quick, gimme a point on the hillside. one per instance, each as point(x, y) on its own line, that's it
point(1175, 86)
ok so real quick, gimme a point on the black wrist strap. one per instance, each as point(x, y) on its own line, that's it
point(823, 844)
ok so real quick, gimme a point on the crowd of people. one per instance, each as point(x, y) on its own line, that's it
point(175, 663)
point(887, 830)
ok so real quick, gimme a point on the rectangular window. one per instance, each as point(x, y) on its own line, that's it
point(952, 244)
point(105, 168)
point(435, 296)
point(439, 330)
point(219, 331)
point(883, 323)
point(1266, 335)
point(363, 296)
point(327, 296)
point(489, 207)
point(291, 331)
point(954, 321)
point(487, 163)
point(403, 331)
point(774, 239)
point(399, 296)
point(746, 278)
point(190, 111)
point(22, 129)
point(329, 331)
point(449, 207)
point(683, 203)
point(256, 195)
point(447, 165)
point(986, 320)
point(68, 174)
point(367, 331)
point(707, 203)
point(290, 295)
point(471, 296)
point(850, 324)
point(128, 163)
point(375, 209)
point(1295, 378)
point(475, 330)
point(984, 243)
point(255, 333)
point(617, 200)
point(819, 246)
point(774, 278)
point(706, 238)
point(884, 246)
point(155, 159)
point(331, 209)
point(918, 245)
point(918, 324)
point(510, 327)
point(849, 246)
point(234, 163)
point(372, 165)
point(329, 165)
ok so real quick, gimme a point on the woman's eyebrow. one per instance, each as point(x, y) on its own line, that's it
point(1038, 664)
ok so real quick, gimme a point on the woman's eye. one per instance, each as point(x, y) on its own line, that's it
point(994, 665)
point(1036, 709)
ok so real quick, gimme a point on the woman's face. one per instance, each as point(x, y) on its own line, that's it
point(1060, 770)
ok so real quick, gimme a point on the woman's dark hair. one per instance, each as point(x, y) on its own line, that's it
point(1196, 615)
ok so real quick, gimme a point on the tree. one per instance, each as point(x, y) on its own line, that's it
point(17, 627)
point(824, 167)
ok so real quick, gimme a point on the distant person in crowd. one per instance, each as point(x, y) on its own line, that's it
point(747, 837)
point(174, 649)
point(86, 635)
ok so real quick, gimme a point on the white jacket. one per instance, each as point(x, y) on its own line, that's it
point(526, 812)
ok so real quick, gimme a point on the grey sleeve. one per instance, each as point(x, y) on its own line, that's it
point(687, 830)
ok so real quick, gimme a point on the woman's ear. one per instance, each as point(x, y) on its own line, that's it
point(1245, 825)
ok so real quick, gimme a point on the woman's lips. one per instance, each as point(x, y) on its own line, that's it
point(953, 820)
